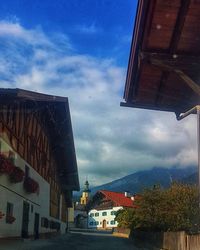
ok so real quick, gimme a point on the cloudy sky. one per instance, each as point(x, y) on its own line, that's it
point(80, 49)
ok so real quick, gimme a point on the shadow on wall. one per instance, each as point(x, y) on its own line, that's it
point(81, 221)
point(92, 223)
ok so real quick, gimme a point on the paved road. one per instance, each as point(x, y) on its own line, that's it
point(73, 241)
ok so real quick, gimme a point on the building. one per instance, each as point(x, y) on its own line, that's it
point(81, 213)
point(85, 194)
point(103, 208)
point(80, 216)
point(163, 68)
point(70, 222)
point(38, 169)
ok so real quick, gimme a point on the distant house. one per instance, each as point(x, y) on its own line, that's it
point(103, 208)
point(38, 169)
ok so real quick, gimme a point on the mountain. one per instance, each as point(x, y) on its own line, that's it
point(136, 182)
point(191, 179)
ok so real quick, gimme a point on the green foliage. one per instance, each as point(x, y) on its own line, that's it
point(125, 217)
point(171, 209)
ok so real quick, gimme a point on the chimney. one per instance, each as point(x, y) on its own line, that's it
point(127, 194)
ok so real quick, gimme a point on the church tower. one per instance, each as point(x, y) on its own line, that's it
point(85, 194)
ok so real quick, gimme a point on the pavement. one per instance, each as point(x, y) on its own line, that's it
point(74, 240)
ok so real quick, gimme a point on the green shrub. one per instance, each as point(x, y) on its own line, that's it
point(172, 209)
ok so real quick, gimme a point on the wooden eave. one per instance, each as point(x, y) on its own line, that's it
point(30, 95)
point(94, 202)
point(164, 62)
point(59, 128)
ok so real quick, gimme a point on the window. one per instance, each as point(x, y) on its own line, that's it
point(96, 214)
point(91, 215)
point(11, 156)
point(27, 172)
point(9, 213)
point(91, 223)
point(9, 210)
point(97, 223)
point(104, 213)
point(44, 222)
point(113, 213)
point(112, 222)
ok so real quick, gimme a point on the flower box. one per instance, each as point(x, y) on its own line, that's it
point(17, 175)
point(6, 166)
point(10, 219)
point(1, 215)
point(30, 185)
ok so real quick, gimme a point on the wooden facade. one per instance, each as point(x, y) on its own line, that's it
point(38, 128)
point(28, 138)
point(101, 202)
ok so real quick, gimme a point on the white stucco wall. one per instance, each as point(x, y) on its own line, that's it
point(15, 194)
point(97, 221)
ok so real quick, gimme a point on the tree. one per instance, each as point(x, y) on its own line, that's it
point(125, 217)
point(182, 209)
point(172, 209)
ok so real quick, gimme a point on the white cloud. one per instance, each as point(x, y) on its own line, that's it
point(88, 29)
point(111, 141)
point(16, 31)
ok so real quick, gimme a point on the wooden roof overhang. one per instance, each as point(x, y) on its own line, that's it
point(59, 128)
point(96, 202)
point(164, 64)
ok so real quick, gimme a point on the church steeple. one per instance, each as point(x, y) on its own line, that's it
point(86, 189)
point(85, 194)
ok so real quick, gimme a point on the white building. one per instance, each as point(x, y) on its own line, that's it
point(38, 169)
point(103, 208)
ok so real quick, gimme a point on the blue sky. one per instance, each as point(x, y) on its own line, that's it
point(102, 28)
point(80, 49)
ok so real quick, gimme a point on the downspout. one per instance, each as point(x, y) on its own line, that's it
point(195, 110)
point(67, 222)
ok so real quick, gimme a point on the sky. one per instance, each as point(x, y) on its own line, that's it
point(80, 49)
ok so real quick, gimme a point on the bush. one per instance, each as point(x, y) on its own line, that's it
point(172, 209)
point(125, 217)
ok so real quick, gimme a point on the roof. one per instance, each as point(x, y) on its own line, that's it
point(118, 198)
point(55, 111)
point(164, 62)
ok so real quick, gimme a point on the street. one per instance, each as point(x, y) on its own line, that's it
point(73, 241)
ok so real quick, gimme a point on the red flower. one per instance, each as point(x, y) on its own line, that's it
point(10, 219)
point(1, 215)
point(30, 185)
point(6, 166)
point(17, 175)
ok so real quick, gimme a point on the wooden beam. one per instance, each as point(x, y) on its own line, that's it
point(192, 84)
point(164, 79)
point(141, 106)
point(184, 7)
point(133, 63)
point(177, 60)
